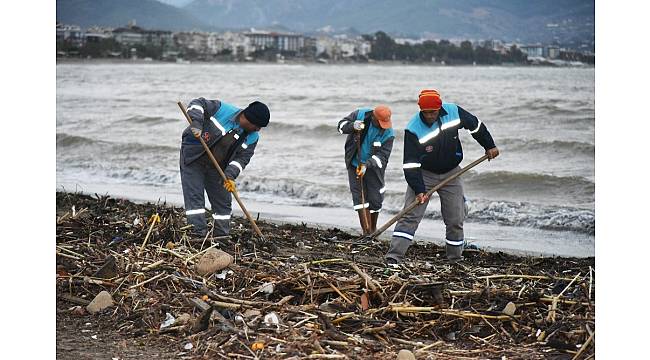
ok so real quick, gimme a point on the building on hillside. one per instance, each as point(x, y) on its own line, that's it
point(239, 44)
point(69, 33)
point(95, 34)
point(193, 40)
point(130, 35)
point(262, 40)
point(158, 38)
point(552, 52)
point(536, 50)
point(135, 35)
point(342, 47)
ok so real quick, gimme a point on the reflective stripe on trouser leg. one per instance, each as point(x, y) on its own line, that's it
point(453, 251)
point(372, 184)
point(220, 203)
point(192, 176)
point(405, 229)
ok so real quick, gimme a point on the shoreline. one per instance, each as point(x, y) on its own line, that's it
point(141, 61)
point(519, 241)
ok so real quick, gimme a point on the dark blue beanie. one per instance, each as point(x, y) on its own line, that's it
point(257, 113)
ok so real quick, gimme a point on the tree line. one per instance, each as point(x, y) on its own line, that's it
point(385, 48)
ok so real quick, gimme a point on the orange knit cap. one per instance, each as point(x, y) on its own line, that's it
point(429, 100)
point(382, 113)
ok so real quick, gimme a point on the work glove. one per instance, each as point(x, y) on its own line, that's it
point(229, 184)
point(196, 132)
point(358, 125)
point(422, 198)
point(361, 169)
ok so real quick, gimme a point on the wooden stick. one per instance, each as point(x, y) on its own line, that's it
point(147, 281)
point(570, 302)
point(154, 219)
point(338, 291)
point(565, 289)
point(68, 256)
point(415, 203)
point(368, 280)
point(149, 267)
point(590, 281)
point(200, 252)
point(70, 251)
point(327, 356)
point(74, 299)
point(399, 291)
point(389, 325)
point(584, 346)
point(437, 343)
point(463, 314)
point(324, 261)
point(223, 176)
point(326, 290)
point(530, 277)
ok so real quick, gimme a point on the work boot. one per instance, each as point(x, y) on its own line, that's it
point(363, 215)
point(397, 249)
point(454, 253)
point(373, 221)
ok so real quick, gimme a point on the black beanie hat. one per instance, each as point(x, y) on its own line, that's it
point(257, 113)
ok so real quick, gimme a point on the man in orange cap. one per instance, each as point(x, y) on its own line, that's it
point(432, 153)
point(367, 149)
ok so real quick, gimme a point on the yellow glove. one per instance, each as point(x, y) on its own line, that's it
point(361, 169)
point(229, 184)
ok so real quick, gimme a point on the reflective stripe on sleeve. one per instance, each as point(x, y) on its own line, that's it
point(378, 161)
point(343, 124)
point(244, 145)
point(382, 190)
point(376, 143)
point(238, 165)
point(196, 107)
point(477, 127)
point(411, 165)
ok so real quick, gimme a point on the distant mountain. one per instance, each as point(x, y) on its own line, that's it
point(148, 14)
point(509, 20)
point(527, 21)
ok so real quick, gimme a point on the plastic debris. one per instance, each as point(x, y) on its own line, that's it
point(169, 321)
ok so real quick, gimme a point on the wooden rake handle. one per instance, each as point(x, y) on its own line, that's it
point(216, 165)
point(415, 203)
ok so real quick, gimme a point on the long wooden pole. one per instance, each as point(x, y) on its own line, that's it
point(216, 164)
point(415, 203)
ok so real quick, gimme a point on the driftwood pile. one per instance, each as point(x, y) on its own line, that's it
point(317, 294)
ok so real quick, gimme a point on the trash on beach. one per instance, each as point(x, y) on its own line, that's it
point(332, 298)
point(169, 321)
